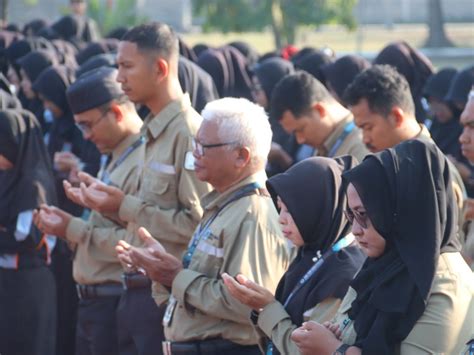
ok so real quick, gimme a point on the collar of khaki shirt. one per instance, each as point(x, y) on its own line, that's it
point(215, 199)
point(332, 138)
point(157, 124)
point(122, 146)
point(424, 133)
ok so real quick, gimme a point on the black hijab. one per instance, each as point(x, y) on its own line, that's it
point(313, 63)
point(413, 65)
point(343, 71)
point(250, 53)
point(97, 61)
point(315, 195)
point(270, 72)
point(30, 182)
point(197, 83)
point(445, 134)
point(460, 86)
point(103, 46)
point(186, 51)
point(35, 62)
point(409, 199)
point(228, 68)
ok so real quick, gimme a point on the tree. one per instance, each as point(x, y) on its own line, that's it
point(437, 35)
point(284, 16)
point(3, 11)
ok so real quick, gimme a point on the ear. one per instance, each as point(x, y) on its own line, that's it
point(162, 67)
point(398, 116)
point(243, 157)
point(320, 109)
point(117, 111)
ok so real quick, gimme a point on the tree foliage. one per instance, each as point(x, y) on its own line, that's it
point(284, 16)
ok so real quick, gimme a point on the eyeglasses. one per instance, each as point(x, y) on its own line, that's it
point(199, 147)
point(87, 128)
point(361, 218)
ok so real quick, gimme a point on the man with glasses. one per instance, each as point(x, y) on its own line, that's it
point(168, 198)
point(107, 118)
point(239, 233)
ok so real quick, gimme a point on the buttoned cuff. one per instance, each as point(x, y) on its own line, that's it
point(270, 316)
point(76, 230)
point(181, 283)
point(129, 208)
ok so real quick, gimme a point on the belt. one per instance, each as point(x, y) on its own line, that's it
point(135, 280)
point(212, 346)
point(97, 291)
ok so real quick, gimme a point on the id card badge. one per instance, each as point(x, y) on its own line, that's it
point(169, 311)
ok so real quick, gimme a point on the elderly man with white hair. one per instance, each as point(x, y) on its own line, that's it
point(239, 233)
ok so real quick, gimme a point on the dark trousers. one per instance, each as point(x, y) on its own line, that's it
point(96, 332)
point(27, 312)
point(67, 299)
point(139, 322)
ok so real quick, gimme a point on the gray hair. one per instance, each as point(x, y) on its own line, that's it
point(243, 122)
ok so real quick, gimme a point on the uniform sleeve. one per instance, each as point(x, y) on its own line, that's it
point(276, 323)
point(104, 238)
point(243, 253)
point(175, 216)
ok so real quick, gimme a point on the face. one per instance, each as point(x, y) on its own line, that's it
point(369, 240)
point(49, 105)
point(13, 77)
point(78, 7)
point(306, 128)
point(378, 132)
point(467, 136)
point(5, 164)
point(258, 94)
point(136, 73)
point(440, 110)
point(26, 85)
point(217, 165)
point(288, 226)
point(99, 127)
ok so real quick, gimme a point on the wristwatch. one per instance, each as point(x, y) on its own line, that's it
point(342, 349)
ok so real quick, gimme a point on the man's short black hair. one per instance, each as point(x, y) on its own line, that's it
point(383, 88)
point(297, 93)
point(154, 37)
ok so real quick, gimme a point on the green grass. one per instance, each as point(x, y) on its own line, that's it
point(368, 38)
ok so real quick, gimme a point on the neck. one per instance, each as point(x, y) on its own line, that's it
point(411, 130)
point(170, 91)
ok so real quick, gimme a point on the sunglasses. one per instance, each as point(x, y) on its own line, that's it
point(361, 218)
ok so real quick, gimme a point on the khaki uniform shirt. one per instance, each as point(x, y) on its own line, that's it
point(352, 144)
point(275, 323)
point(168, 200)
point(244, 238)
point(448, 321)
point(95, 260)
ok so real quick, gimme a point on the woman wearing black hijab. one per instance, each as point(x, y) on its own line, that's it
point(284, 146)
point(413, 65)
point(415, 293)
point(197, 83)
point(311, 199)
point(65, 141)
point(229, 70)
point(313, 62)
point(27, 287)
point(339, 74)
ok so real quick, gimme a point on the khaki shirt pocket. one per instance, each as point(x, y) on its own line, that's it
point(159, 188)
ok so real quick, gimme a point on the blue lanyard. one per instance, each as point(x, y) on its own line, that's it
point(106, 173)
point(347, 130)
point(203, 231)
point(341, 244)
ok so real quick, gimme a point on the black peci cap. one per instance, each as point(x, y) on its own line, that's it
point(93, 89)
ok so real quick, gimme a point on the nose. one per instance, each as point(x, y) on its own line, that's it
point(356, 229)
point(463, 137)
point(365, 138)
point(120, 76)
point(300, 138)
